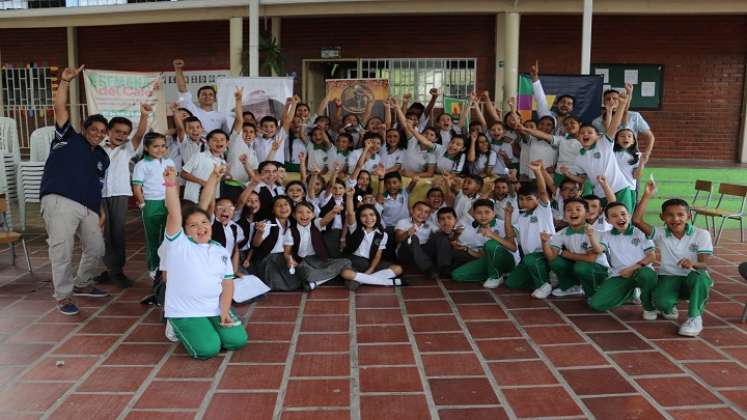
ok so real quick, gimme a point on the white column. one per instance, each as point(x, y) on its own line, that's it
point(254, 38)
point(2, 103)
point(500, 23)
point(72, 62)
point(512, 21)
point(743, 137)
point(236, 44)
point(586, 37)
point(275, 26)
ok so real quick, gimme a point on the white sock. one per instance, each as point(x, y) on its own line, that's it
point(370, 279)
point(385, 274)
point(319, 283)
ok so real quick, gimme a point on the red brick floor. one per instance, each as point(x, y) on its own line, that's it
point(445, 350)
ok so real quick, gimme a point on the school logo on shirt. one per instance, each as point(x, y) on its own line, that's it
point(533, 219)
point(693, 247)
point(597, 155)
point(224, 259)
point(584, 245)
point(636, 241)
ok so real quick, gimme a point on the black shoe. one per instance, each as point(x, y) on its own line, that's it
point(743, 270)
point(148, 300)
point(122, 280)
point(102, 278)
point(352, 284)
point(432, 274)
point(309, 285)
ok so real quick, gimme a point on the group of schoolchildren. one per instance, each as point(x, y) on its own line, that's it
point(546, 206)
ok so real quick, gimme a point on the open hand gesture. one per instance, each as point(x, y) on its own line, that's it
point(70, 73)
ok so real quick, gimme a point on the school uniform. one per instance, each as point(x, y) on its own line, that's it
point(505, 144)
point(310, 252)
point(446, 163)
point(361, 247)
point(268, 262)
point(337, 157)
point(568, 151)
point(210, 120)
point(601, 224)
point(445, 258)
point(495, 261)
point(263, 146)
point(446, 135)
point(412, 250)
point(463, 205)
point(395, 207)
point(500, 205)
point(267, 194)
point(390, 158)
point(635, 123)
point(189, 148)
point(234, 186)
point(200, 166)
point(369, 165)
point(571, 273)
point(333, 231)
point(317, 156)
point(115, 195)
point(625, 249)
point(533, 271)
point(229, 235)
point(296, 146)
point(623, 161)
point(192, 304)
point(599, 159)
point(417, 158)
point(544, 151)
point(148, 173)
point(675, 282)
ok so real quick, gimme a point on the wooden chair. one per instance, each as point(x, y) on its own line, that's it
point(706, 187)
point(724, 190)
point(12, 238)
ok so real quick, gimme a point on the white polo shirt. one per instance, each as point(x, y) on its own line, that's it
point(529, 225)
point(391, 159)
point(575, 241)
point(568, 151)
point(446, 163)
point(447, 134)
point(423, 232)
point(201, 166)
point(148, 173)
point(601, 225)
point(317, 156)
point(334, 156)
point(189, 148)
point(544, 151)
point(117, 177)
point(237, 147)
point(600, 160)
point(500, 205)
point(196, 273)
point(695, 241)
point(368, 237)
point(210, 120)
point(263, 146)
point(369, 165)
point(324, 200)
point(228, 233)
point(475, 241)
point(623, 162)
point(305, 247)
point(395, 208)
point(416, 158)
point(625, 249)
point(463, 205)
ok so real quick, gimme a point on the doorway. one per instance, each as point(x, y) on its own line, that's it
point(317, 71)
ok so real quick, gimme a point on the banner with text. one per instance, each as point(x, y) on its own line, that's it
point(120, 93)
point(262, 95)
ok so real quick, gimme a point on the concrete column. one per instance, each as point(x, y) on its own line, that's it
point(511, 21)
point(2, 97)
point(72, 62)
point(500, 23)
point(254, 38)
point(276, 26)
point(236, 44)
point(586, 37)
point(742, 151)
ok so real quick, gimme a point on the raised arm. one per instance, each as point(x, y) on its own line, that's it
point(534, 132)
point(467, 109)
point(289, 111)
point(174, 216)
point(238, 109)
point(471, 153)
point(539, 92)
point(431, 103)
point(620, 111)
point(181, 82)
point(480, 117)
point(413, 183)
point(369, 109)
point(207, 195)
point(178, 122)
point(142, 125)
point(608, 193)
point(401, 117)
point(640, 210)
point(322, 108)
point(387, 114)
point(380, 171)
point(538, 168)
point(61, 115)
point(489, 107)
point(349, 206)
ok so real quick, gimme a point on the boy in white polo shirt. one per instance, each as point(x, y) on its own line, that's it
point(630, 255)
point(198, 169)
point(575, 254)
point(684, 260)
point(412, 235)
point(117, 191)
point(533, 272)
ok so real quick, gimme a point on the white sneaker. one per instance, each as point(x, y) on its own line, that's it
point(170, 334)
point(397, 282)
point(636, 299)
point(554, 281)
point(692, 327)
point(152, 274)
point(571, 291)
point(542, 292)
point(492, 282)
point(650, 315)
point(672, 316)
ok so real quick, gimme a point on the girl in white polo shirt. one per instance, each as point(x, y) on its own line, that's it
point(200, 288)
point(150, 193)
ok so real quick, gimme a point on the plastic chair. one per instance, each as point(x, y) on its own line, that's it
point(41, 142)
point(12, 238)
point(10, 166)
point(29, 181)
point(724, 190)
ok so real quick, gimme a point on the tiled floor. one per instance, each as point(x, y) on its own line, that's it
point(445, 350)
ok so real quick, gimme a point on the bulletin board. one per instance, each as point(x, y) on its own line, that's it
point(646, 79)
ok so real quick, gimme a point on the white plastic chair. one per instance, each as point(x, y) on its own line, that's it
point(29, 183)
point(10, 164)
point(41, 142)
point(8, 145)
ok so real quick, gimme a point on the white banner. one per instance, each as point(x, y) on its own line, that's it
point(262, 95)
point(195, 80)
point(120, 93)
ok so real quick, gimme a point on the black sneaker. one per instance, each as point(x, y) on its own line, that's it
point(102, 278)
point(352, 284)
point(148, 300)
point(90, 291)
point(67, 307)
point(122, 280)
point(309, 285)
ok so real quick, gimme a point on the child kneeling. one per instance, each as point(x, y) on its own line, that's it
point(198, 299)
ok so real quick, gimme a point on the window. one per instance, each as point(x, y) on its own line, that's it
point(453, 76)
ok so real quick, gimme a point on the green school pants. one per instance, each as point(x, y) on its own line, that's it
point(154, 221)
point(588, 187)
point(615, 291)
point(694, 287)
point(495, 262)
point(570, 273)
point(625, 196)
point(531, 273)
point(203, 337)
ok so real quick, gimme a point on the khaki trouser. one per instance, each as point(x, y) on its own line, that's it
point(64, 219)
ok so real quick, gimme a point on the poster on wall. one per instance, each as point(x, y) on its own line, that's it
point(120, 93)
point(262, 95)
point(357, 95)
point(195, 80)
